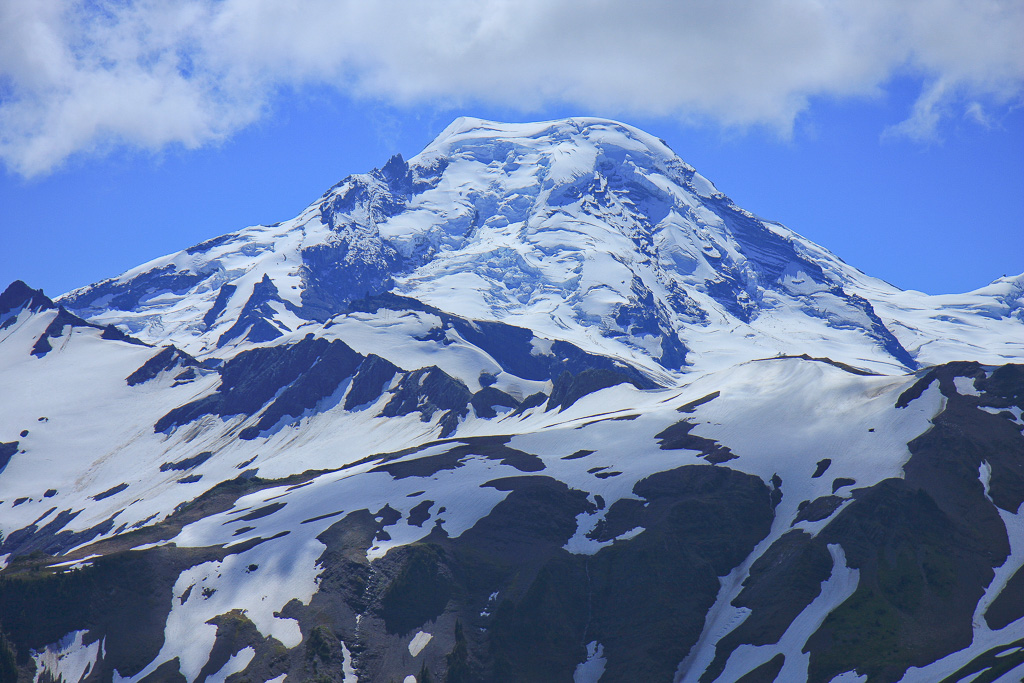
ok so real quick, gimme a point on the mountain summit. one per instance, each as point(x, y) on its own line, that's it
point(538, 404)
point(582, 229)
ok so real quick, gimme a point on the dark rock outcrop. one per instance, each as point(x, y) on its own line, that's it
point(7, 451)
point(569, 388)
point(169, 358)
point(427, 391)
point(485, 400)
point(252, 378)
point(255, 322)
point(19, 296)
point(370, 381)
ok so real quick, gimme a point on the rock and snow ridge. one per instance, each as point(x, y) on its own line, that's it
point(538, 404)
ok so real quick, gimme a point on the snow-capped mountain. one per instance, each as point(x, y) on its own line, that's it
point(581, 229)
point(538, 404)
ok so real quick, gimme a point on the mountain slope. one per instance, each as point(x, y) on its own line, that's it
point(538, 404)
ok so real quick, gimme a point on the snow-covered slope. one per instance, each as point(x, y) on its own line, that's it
point(538, 404)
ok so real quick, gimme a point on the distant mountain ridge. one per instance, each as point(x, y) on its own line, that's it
point(538, 404)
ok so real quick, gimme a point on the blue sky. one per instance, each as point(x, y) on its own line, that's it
point(132, 129)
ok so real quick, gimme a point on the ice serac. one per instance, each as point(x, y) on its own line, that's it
point(582, 229)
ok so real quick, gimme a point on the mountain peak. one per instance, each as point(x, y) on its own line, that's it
point(583, 229)
point(20, 295)
point(579, 127)
point(582, 139)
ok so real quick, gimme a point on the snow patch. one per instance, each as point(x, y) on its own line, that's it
point(418, 642)
point(68, 659)
point(236, 663)
point(591, 670)
point(540, 346)
point(580, 543)
point(1013, 410)
point(965, 386)
point(834, 591)
point(632, 533)
point(348, 672)
point(850, 677)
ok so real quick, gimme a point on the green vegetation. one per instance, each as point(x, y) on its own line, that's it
point(875, 623)
point(8, 661)
point(419, 592)
point(319, 644)
point(458, 658)
point(900, 579)
point(864, 629)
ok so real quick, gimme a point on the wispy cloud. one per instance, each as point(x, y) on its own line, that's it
point(85, 75)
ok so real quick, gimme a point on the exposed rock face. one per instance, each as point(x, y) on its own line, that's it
point(19, 296)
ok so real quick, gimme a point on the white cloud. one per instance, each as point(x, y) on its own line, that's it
point(79, 76)
point(975, 111)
